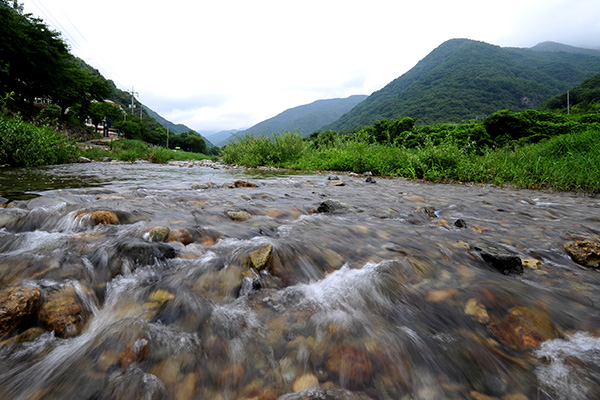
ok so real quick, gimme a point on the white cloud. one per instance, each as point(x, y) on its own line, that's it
point(228, 64)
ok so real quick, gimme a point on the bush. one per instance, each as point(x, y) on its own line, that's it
point(26, 145)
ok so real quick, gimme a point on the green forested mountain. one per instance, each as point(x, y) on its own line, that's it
point(584, 97)
point(173, 128)
point(465, 79)
point(307, 118)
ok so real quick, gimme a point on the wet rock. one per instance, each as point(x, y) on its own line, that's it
point(145, 253)
point(259, 258)
point(506, 263)
point(157, 234)
point(83, 160)
point(336, 207)
point(244, 184)
point(477, 310)
point(135, 352)
point(180, 235)
point(524, 328)
point(304, 382)
point(133, 383)
point(239, 216)
point(351, 365)
point(158, 298)
point(103, 217)
point(460, 223)
point(414, 198)
point(232, 376)
point(531, 263)
point(16, 304)
point(28, 336)
point(584, 252)
point(333, 178)
point(336, 183)
point(63, 313)
point(317, 393)
point(3, 201)
point(370, 180)
point(441, 295)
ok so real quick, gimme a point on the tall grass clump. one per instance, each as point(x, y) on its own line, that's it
point(564, 162)
point(26, 145)
point(254, 151)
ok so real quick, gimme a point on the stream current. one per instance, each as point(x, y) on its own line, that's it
point(190, 286)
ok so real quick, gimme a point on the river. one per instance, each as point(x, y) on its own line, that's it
point(202, 282)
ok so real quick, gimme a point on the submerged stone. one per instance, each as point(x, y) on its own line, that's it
point(523, 328)
point(350, 364)
point(239, 216)
point(180, 235)
point(506, 263)
point(145, 253)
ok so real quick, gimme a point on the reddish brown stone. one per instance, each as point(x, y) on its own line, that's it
point(350, 364)
point(135, 352)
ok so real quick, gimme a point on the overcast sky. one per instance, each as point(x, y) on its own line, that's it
point(228, 64)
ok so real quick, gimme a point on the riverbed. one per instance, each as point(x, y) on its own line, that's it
point(196, 281)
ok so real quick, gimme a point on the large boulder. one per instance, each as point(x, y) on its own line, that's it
point(63, 313)
point(16, 303)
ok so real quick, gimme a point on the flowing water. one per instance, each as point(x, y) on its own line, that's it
point(294, 289)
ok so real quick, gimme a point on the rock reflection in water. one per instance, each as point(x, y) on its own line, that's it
point(193, 284)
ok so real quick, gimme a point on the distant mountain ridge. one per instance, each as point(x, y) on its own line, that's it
point(173, 128)
point(464, 79)
point(307, 118)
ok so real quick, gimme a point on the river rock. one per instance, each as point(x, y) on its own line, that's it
point(244, 184)
point(83, 160)
point(352, 366)
point(104, 217)
point(231, 376)
point(304, 382)
point(16, 304)
point(259, 258)
point(157, 234)
point(336, 183)
point(477, 310)
point(239, 216)
point(145, 253)
point(135, 352)
point(584, 252)
point(332, 206)
point(506, 263)
point(62, 313)
point(180, 235)
point(524, 328)
point(3, 201)
point(531, 263)
point(329, 393)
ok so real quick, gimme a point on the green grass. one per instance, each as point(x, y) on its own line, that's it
point(132, 150)
point(569, 162)
point(26, 145)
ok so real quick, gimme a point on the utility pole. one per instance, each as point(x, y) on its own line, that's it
point(132, 96)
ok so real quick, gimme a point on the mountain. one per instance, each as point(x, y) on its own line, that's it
point(464, 79)
point(173, 128)
point(307, 118)
point(221, 138)
point(586, 93)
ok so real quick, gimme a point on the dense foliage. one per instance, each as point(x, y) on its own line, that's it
point(463, 80)
point(527, 149)
point(25, 145)
point(583, 98)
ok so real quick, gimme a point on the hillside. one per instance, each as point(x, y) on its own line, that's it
point(221, 138)
point(173, 128)
point(586, 94)
point(464, 79)
point(307, 118)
